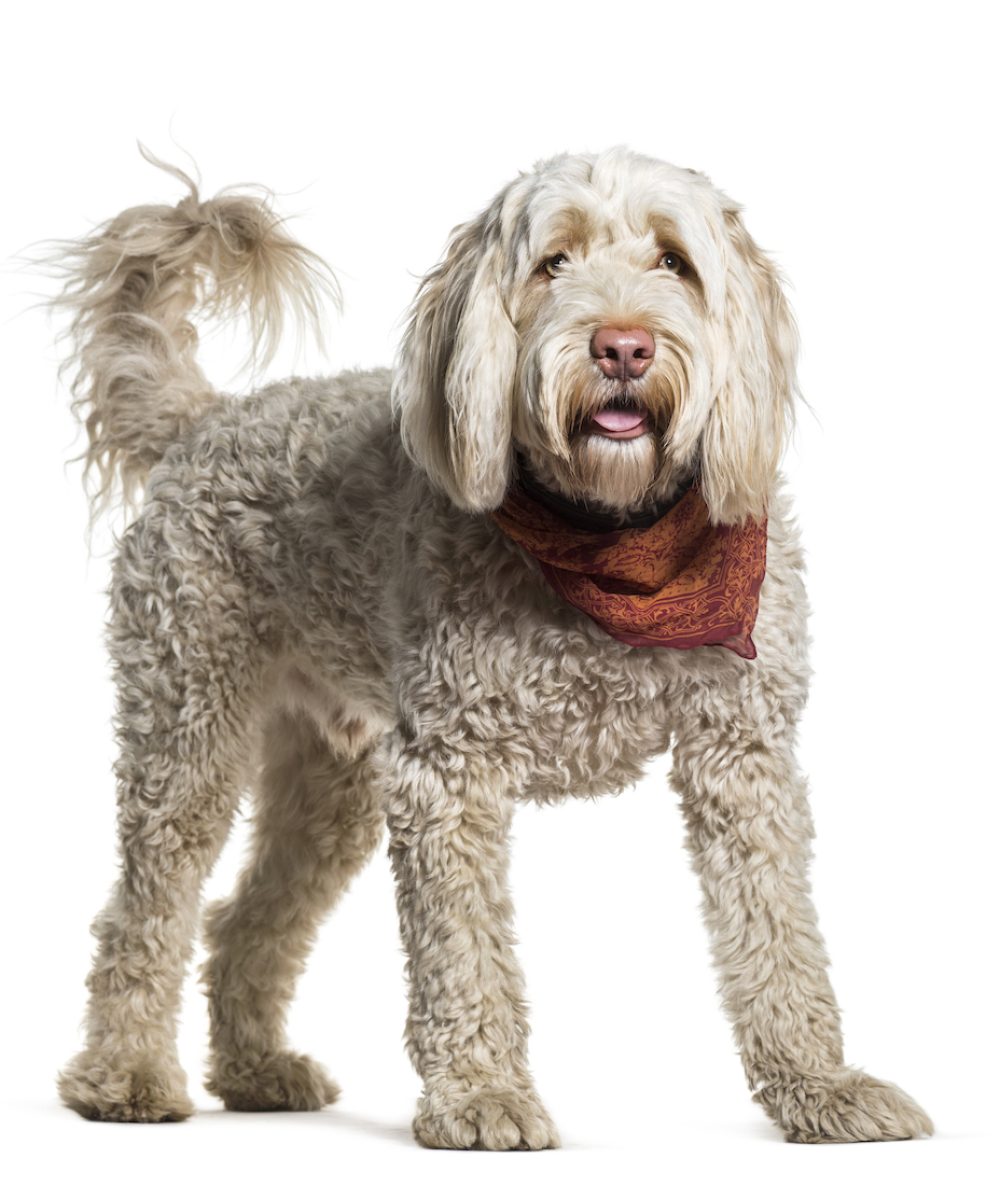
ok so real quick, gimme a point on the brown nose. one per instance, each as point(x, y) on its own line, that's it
point(622, 353)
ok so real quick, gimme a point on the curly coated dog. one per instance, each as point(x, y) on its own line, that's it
point(517, 567)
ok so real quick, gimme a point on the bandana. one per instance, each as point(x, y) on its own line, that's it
point(680, 581)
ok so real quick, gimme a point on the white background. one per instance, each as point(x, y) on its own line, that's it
point(861, 140)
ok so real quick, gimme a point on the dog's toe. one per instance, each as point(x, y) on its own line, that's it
point(485, 1118)
point(845, 1107)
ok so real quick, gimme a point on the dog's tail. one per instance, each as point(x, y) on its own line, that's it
point(133, 286)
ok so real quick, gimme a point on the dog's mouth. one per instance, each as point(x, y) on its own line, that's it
point(621, 419)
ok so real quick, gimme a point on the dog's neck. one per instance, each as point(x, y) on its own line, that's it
point(590, 516)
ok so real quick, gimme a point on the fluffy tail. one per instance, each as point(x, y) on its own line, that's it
point(132, 286)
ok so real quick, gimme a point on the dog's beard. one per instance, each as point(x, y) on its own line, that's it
point(600, 441)
point(615, 474)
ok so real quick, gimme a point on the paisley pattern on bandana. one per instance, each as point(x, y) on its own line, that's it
point(682, 582)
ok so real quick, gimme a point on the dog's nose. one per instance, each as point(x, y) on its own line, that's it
point(622, 353)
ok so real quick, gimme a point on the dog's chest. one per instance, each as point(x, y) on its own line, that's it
point(583, 723)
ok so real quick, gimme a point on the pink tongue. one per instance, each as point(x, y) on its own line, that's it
point(619, 420)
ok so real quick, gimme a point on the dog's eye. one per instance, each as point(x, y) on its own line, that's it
point(673, 262)
point(553, 265)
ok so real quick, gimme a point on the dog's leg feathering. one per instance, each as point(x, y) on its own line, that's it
point(749, 831)
point(467, 1032)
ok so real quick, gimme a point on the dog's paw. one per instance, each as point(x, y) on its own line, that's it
point(140, 1092)
point(281, 1082)
point(846, 1107)
point(485, 1118)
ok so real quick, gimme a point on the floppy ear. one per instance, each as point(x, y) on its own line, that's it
point(455, 374)
point(745, 433)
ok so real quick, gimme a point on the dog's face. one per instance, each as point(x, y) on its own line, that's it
point(609, 319)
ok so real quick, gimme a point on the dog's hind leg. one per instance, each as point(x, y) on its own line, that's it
point(188, 668)
point(318, 822)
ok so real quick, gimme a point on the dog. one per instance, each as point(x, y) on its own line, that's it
point(405, 598)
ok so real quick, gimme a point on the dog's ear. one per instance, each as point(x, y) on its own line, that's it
point(455, 374)
point(745, 433)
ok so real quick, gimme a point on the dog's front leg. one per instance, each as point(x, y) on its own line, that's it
point(449, 814)
point(749, 830)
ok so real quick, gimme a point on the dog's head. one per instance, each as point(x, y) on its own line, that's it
point(609, 318)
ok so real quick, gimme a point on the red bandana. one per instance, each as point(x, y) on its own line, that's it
point(682, 582)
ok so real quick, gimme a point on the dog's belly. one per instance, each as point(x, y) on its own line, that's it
point(583, 743)
point(348, 718)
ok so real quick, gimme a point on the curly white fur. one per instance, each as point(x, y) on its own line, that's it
point(304, 607)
